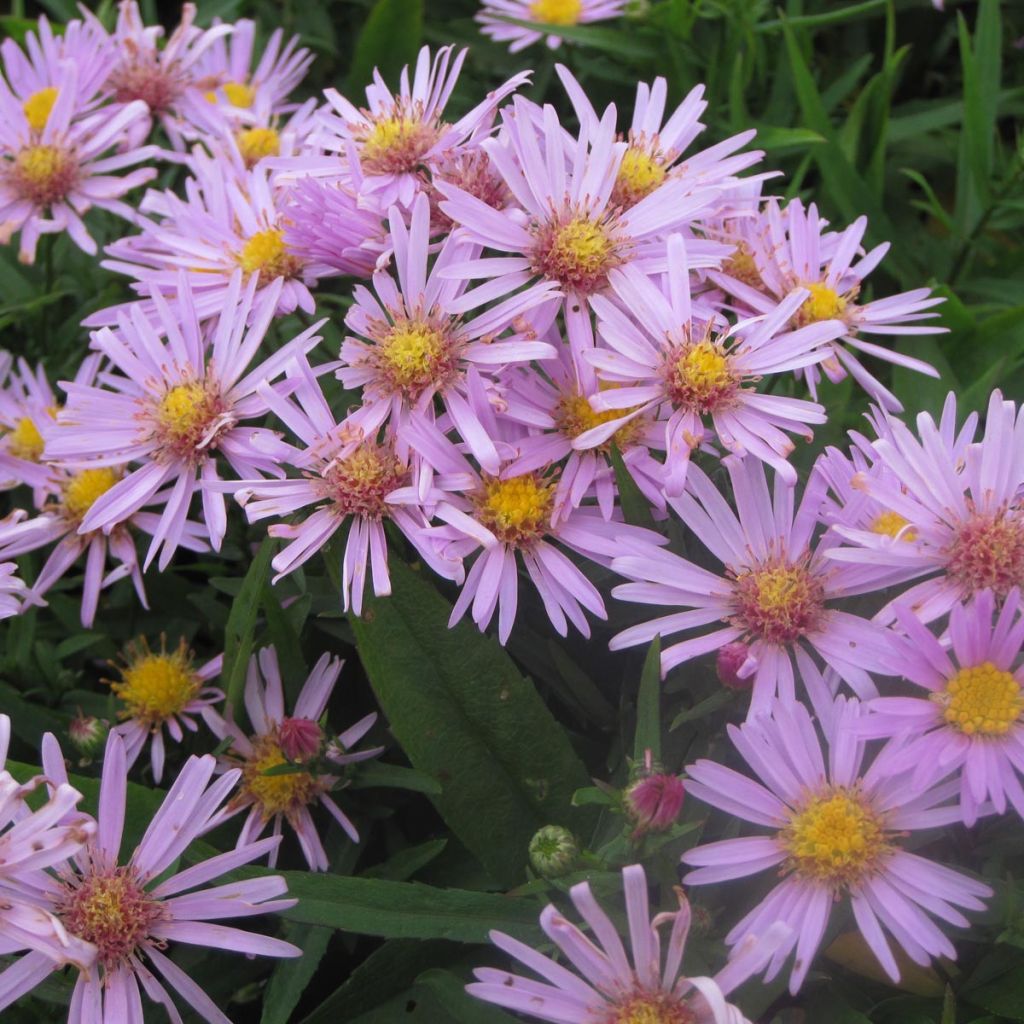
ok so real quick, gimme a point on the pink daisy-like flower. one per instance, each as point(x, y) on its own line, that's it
point(665, 360)
point(608, 986)
point(397, 135)
point(788, 254)
point(971, 720)
point(549, 13)
point(159, 690)
point(954, 506)
point(415, 344)
point(511, 518)
point(12, 590)
point(837, 834)
point(655, 149)
point(774, 593)
point(279, 739)
point(130, 908)
point(53, 166)
point(346, 479)
point(227, 223)
point(177, 402)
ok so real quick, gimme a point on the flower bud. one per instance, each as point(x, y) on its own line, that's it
point(88, 733)
point(653, 803)
point(553, 851)
point(300, 738)
point(731, 659)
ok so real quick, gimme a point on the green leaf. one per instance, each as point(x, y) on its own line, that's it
point(636, 509)
point(388, 40)
point(291, 976)
point(404, 864)
point(648, 706)
point(461, 1008)
point(241, 627)
point(463, 714)
point(373, 774)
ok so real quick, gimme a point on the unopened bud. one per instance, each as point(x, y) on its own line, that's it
point(653, 803)
point(731, 659)
point(554, 851)
point(87, 733)
point(300, 738)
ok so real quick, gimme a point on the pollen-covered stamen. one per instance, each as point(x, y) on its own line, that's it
point(111, 909)
point(396, 142)
point(83, 489)
point(256, 143)
point(651, 1008)
point(518, 510)
point(892, 524)
point(556, 12)
point(642, 170)
point(700, 376)
point(156, 687)
point(577, 251)
point(189, 417)
point(39, 106)
point(836, 838)
point(358, 484)
point(742, 266)
point(415, 352)
point(574, 415)
point(987, 551)
point(779, 602)
point(824, 303)
point(981, 700)
point(25, 441)
point(266, 254)
point(286, 793)
point(43, 175)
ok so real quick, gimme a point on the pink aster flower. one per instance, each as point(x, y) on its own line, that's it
point(774, 593)
point(416, 343)
point(55, 163)
point(397, 135)
point(664, 360)
point(837, 834)
point(225, 223)
point(346, 478)
point(175, 404)
point(788, 254)
point(159, 690)
point(970, 719)
point(953, 505)
point(273, 799)
point(511, 518)
point(603, 982)
point(549, 13)
point(28, 406)
point(12, 590)
point(131, 907)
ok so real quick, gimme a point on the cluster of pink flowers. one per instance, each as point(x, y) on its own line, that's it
point(554, 312)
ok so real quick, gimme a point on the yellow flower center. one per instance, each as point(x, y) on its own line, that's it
point(43, 174)
point(652, 1008)
point(640, 173)
point(701, 377)
point(517, 510)
point(742, 266)
point(156, 687)
point(83, 489)
point(38, 106)
point(238, 94)
point(256, 143)
point(556, 12)
point(836, 838)
point(890, 524)
point(112, 910)
point(779, 603)
point(575, 415)
point(413, 354)
point(187, 417)
point(823, 303)
point(577, 253)
point(359, 484)
point(25, 441)
point(275, 794)
point(982, 700)
point(987, 551)
point(265, 253)
point(396, 143)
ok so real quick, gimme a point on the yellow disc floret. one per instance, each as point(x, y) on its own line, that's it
point(652, 1008)
point(987, 552)
point(359, 483)
point(256, 143)
point(266, 254)
point(701, 378)
point(187, 417)
point(556, 12)
point(155, 687)
point(397, 142)
point(574, 415)
point(238, 94)
point(38, 107)
point(743, 267)
point(84, 488)
point(835, 838)
point(824, 303)
point(25, 441)
point(578, 253)
point(892, 524)
point(43, 174)
point(414, 353)
point(275, 794)
point(982, 700)
point(516, 510)
point(640, 173)
point(779, 603)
